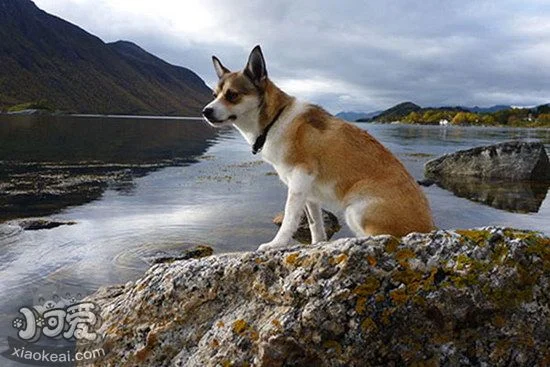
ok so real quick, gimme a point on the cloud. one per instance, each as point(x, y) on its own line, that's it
point(349, 55)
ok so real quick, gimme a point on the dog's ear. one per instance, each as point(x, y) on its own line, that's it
point(255, 68)
point(220, 69)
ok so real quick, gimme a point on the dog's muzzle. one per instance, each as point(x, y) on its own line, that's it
point(208, 114)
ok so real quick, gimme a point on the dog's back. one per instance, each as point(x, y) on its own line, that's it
point(356, 171)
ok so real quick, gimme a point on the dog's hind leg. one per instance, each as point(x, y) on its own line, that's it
point(355, 215)
point(315, 220)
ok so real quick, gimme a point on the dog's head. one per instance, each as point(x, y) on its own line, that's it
point(238, 95)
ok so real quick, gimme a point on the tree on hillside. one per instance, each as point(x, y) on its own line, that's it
point(465, 118)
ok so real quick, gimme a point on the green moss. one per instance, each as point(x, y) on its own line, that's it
point(38, 105)
point(500, 253)
point(332, 347)
point(478, 237)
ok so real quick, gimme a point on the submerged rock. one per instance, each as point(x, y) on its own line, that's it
point(303, 233)
point(194, 253)
point(514, 160)
point(34, 224)
point(472, 297)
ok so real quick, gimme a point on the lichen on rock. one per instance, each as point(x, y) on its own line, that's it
point(472, 297)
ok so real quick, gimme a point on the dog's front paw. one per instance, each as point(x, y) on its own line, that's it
point(272, 246)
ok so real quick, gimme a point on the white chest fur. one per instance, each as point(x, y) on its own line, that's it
point(277, 141)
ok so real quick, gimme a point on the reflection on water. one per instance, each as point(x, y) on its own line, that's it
point(515, 197)
point(50, 162)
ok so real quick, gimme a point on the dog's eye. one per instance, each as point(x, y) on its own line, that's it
point(231, 96)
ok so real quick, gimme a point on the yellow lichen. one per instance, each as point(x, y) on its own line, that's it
point(370, 286)
point(403, 255)
point(386, 313)
point(399, 296)
point(407, 276)
point(239, 326)
point(335, 260)
point(368, 325)
point(307, 261)
point(292, 258)
point(254, 335)
point(372, 260)
point(419, 300)
point(360, 305)
point(380, 297)
point(392, 244)
point(220, 324)
point(276, 323)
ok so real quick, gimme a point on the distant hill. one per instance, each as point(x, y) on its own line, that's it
point(543, 108)
point(491, 109)
point(354, 116)
point(43, 57)
point(394, 113)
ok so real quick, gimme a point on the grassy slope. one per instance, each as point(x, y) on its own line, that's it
point(44, 57)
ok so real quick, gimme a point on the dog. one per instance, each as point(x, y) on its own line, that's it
point(324, 161)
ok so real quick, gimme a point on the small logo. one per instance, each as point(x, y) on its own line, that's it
point(67, 322)
point(59, 317)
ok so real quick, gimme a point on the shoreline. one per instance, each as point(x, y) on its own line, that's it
point(37, 112)
point(198, 118)
point(455, 126)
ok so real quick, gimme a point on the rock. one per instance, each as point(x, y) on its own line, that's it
point(194, 253)
point(303, 235)
point(450, 298)
point(34, 224)
point(425, 182)
point(514, 160)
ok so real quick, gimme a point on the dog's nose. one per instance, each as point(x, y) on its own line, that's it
point(208, 112)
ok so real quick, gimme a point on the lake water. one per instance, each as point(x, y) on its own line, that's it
point(158, 186)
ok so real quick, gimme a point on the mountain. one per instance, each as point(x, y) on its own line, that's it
point(394, 113)
point(354, 116)
point(43, 57)
point(491, 109)
point(543, 108)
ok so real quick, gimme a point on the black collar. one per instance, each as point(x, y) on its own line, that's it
point(260, 140)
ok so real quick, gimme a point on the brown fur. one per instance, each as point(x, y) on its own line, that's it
point(347, 156)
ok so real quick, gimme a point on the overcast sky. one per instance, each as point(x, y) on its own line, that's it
point(346, 55)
